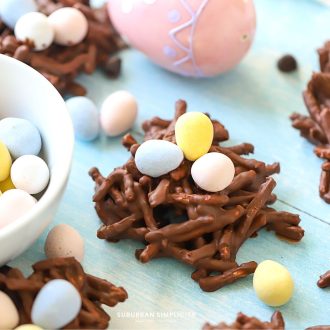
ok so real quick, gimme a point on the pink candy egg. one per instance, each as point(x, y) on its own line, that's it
point(70, 26)
point(190, 37)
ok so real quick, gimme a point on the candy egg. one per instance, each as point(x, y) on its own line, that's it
point(213, 171)
point(30, 173)
point(36, 28)
point(194, 134)
point(118, 113)
point(9, 201)
point(20, 136)
point(85, 117)
point(5, 162)
point(70, 26)
point(56, 304)
point(6, 184)
point(193, 38)
point(273, 283)
point(158, 157)
point(12, 10)
point(28, 327)
point(8, 311)
point(64, 241)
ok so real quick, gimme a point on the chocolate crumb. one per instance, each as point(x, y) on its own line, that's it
point(287, 63)
point(212, 226)
point(250, 323)
point(324, 280)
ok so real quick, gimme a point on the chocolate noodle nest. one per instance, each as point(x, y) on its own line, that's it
point(174, 218)
point(93, 290)
point(316, 126)
point(61, 65)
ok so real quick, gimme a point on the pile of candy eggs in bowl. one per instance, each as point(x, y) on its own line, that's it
point(22, 173)
point(35, 159)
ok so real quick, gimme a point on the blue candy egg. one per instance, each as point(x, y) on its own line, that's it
point(85, 118)
point(12, 10)
point(20, 136)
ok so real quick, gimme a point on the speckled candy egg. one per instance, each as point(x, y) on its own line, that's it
point(8, 312)
point(158, 157)
point(64, 241)
point(70, 26)
point(85, 117)
point(20, 136)
point(9, 201)
point(191, 37)
point(12, 10)
point(118, 113)
point(56, 304)
point(35, 27)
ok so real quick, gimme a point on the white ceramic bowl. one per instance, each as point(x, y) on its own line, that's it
point(27, 94)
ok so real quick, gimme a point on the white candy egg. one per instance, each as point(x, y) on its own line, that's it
point(28, 327)
point(9, 202)
point(118, 113)
point(56, 304)
point(8, 312)
point(30, 173)
point(35, 27)
point(70, 26)
point(64, 241)
point(158, 157)
point(213, 171)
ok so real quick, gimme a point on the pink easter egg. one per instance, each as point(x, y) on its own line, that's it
point(191, 37)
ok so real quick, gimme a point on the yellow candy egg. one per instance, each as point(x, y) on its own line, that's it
point(28, 327)
point(194, 134)
point(6, 185)
point(5, 162)
point(273, 283)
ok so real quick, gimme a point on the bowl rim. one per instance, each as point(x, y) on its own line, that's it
point(66, 160)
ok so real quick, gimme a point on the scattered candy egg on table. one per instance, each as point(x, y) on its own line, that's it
point(64, 241)
point(12, 10)
point(6, 184)
point(30, 173)
point(57, 304)
point(8, 312)
point(20, 136)
point(9, 201)
point(85, 117)
point(213, 171)
point(273, 283)
point(193, 38)
point(158, 157)
point(28, 327)
point(36, 28)
point(5, 162)
point(70, 26)
point(118, 113)
point(194, 134)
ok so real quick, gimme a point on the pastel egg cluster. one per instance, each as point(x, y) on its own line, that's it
point(212, 171)
point(66, 26)
point(117, 115)
point(57, 304)
point(22, 172)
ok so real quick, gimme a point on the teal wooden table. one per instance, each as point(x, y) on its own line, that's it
point(254, 101)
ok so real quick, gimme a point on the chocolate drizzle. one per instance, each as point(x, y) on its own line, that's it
point(61, 65)
point(250, 323)
point(93, 290)
point(174, 218)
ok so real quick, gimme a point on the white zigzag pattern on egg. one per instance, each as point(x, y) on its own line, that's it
point(191, 23)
